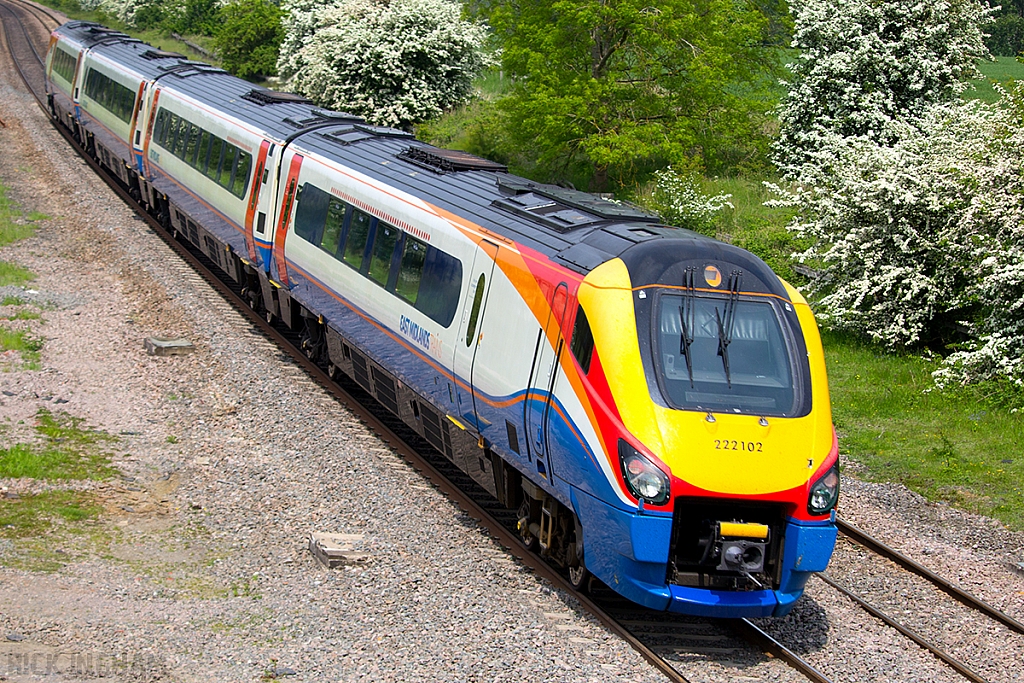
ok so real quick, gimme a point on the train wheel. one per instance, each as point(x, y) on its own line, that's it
point(579, 577)
point(524, 526)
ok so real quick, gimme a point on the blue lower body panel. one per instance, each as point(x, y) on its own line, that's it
point(629, 551)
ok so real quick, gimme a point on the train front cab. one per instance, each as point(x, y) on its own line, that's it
point(728, 479)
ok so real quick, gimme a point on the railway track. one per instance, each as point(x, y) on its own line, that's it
point(665, 640)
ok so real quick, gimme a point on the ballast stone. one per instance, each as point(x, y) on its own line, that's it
point(335, 550)
point(159, 346)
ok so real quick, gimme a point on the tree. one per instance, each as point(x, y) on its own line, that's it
point(394, 62)
point(249, 37)
point(615, 89)
point(866, 65)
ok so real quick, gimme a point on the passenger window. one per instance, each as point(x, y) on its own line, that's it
point(355, 243)
point(383, 249)
point(311, 212)
point(204, 152)
point(478, 299)
point(241, 178)
point(216, 152)
point(332, 229)
point(582, 344)
point(172, 130)
point(160, 127)
point(179, 141)
point(440, 286)
point(192, 146)
point(410, 272)
point(228, 166)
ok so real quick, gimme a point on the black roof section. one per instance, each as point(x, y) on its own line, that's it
point(577, 229)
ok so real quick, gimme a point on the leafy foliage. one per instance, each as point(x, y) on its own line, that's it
point(615, 90)
point(865, 68)
point(394, 62)
point(248, 38)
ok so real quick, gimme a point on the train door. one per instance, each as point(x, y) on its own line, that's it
point(258, 207)
point(137, 132)
point(539, 403)
point(470, 337)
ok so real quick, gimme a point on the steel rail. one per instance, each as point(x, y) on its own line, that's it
point(763, 640)
point(954, 663)
point(862, 538)
point(6, 15)
point(42, 9)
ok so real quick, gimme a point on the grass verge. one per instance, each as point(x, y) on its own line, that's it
point(24, 345)
point(46, 530)
point(962, 447)
point(67, 450)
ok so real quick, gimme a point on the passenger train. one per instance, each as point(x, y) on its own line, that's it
point(651, 401)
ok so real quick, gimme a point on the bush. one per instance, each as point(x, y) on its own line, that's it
point(678, 197)
point(921, 242)
point(865, 68)
point(249, 38)
point(394, 63)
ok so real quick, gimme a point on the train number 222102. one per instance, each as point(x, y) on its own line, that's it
point(733, 445)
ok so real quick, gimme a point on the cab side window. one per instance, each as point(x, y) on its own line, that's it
point(582, 343)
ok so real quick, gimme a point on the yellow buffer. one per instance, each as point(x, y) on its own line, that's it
point(742, 530)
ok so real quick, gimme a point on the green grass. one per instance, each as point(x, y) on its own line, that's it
point(755, 227)
point(24, 314)
point(962, 447)
point(157, 38)
point(44, 529)
point(67, 450)
point(32, 515)
point(13, 228)
point(22, 342)
point(1002, 70)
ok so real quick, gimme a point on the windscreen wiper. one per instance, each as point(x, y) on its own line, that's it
point(686, 322)
point(725, 322)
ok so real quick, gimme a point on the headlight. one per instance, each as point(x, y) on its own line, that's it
point(824, 492)
point(643, 478)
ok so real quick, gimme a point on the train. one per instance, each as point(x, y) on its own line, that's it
point(651, 403)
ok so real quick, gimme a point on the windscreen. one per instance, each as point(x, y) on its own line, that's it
point(723, 355)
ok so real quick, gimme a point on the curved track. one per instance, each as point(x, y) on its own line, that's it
point(656, 636)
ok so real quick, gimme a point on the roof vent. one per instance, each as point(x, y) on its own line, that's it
point(449, 160)
point(592, 204)
point(364, 131)
point(162, 54)
point(265, 97)
point(554, 214)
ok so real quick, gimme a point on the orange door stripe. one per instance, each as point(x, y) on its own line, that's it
point(286, 212)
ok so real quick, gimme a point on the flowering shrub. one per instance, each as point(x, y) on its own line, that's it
point(391, 61)
point(920, 242)
point(912, 199)
point(865, 66)
point(679, 200)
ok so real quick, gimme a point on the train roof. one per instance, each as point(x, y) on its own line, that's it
point(577, 229)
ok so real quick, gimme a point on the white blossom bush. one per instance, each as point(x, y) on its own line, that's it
point(866, 67)
point(302, 19)
point(392, 61)
point(678, 198)
point(125, 11)
point(920, 242)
